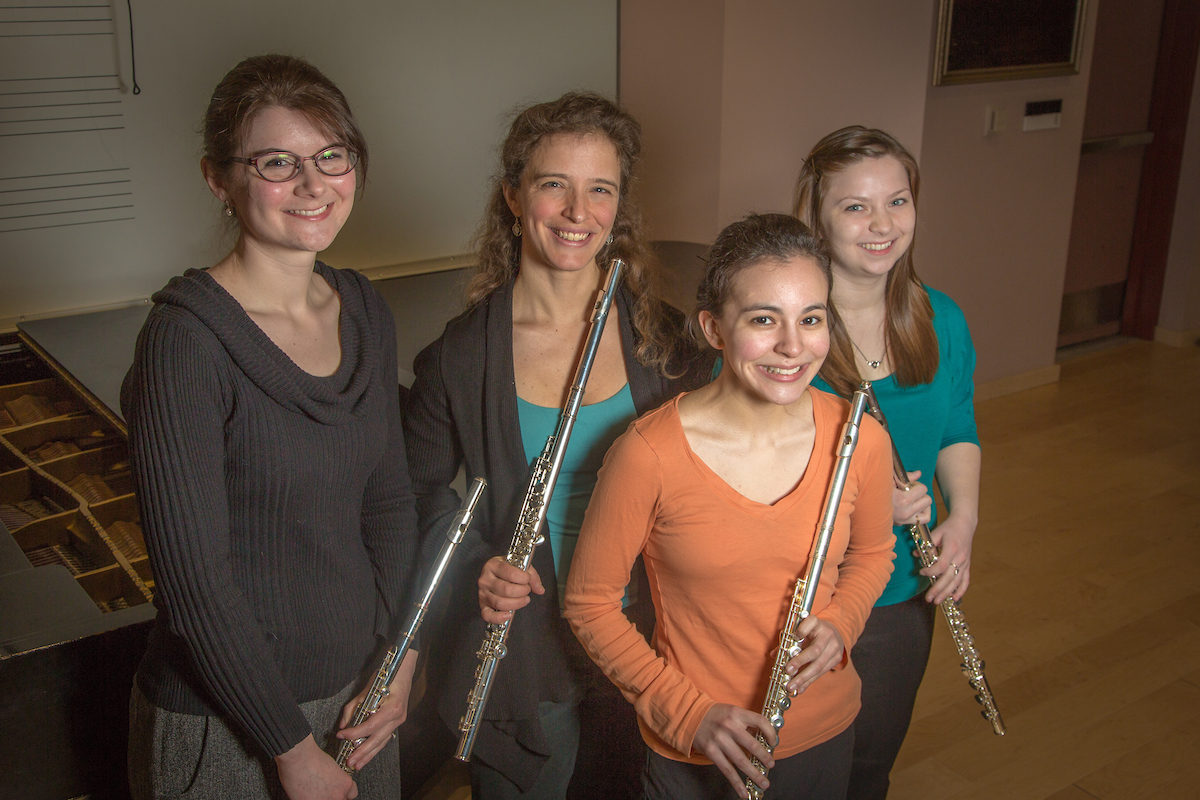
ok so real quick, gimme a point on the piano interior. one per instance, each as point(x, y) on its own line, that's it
point(75, 584)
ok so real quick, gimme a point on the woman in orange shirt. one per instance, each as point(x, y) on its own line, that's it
point(720, 491)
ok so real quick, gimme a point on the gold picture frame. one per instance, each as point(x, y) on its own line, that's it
point(1005, 40)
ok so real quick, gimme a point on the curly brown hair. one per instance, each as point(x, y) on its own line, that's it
point(908, 331)
point(499, 250)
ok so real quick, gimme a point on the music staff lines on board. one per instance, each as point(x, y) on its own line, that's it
point(61, 106)
point(63, 199)
point(40, 106)
point(60, 19)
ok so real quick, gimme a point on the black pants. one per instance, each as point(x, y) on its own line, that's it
point(596, 749)
point(890, 658)
point(819, 773)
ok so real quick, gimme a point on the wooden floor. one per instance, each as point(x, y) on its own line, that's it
point(1085, 596)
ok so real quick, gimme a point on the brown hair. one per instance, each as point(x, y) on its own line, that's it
point(499, 251)
point(908, 331)
point(276, 80)
point(751, 241)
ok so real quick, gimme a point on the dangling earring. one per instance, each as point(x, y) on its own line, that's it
point(516, 228)
point(228, 209)
point(610, 239)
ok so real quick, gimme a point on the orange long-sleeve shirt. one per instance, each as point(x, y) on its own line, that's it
point(722, 571)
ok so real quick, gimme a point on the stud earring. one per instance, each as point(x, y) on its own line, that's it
point(228, 209)
point(516, 228)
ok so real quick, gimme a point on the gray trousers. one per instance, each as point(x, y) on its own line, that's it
point(174, 755)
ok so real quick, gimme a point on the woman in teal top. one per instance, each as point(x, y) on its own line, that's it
point(487, 395)
point(915, 414)
point(859, 187)
point(596, 427)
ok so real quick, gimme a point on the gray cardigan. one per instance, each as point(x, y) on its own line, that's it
point(463, 411)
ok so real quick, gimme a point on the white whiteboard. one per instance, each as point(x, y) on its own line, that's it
point(432, 83)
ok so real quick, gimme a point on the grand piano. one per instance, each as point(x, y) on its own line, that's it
point(75, 584)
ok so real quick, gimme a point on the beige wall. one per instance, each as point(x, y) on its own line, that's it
point(1180, 313)
point(733, 93)
point(669, 76)
point(787, 82)
point(995, 211)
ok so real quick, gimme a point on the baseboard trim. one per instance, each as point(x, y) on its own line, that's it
point(1177, 338)
point(1017, 383)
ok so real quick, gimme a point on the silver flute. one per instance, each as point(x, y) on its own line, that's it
point(533, 513)
point(778, 698)
point(378, 693)
point(972, 663)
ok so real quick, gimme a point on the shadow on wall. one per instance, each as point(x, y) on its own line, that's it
point(422, 305)
point(683, 267)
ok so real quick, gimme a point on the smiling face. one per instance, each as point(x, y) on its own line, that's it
point(868, 216)
point(773, 330)
point(567, 201)
point(299, 217)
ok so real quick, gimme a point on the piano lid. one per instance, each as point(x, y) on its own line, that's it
point(91, 351)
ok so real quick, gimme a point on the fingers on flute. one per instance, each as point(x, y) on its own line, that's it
point(949, 580)
point(504, 589)
point(728, 735)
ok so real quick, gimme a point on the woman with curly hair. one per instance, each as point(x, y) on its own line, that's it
point(486, 397)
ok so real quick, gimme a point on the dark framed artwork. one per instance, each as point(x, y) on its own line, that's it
point(1003, 40)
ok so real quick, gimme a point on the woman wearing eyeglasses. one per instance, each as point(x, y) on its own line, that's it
point(265, 435)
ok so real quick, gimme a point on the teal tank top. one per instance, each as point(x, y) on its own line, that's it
point(596, 427)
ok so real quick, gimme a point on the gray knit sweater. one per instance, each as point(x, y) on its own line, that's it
point(276, 506)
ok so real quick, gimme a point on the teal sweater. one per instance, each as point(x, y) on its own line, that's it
point(925, 419)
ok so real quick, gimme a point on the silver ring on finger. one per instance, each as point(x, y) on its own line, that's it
point(955, 566)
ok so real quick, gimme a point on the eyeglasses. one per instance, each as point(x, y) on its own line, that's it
point(283, 166)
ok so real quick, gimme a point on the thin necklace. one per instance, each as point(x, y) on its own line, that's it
point(872, 364)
